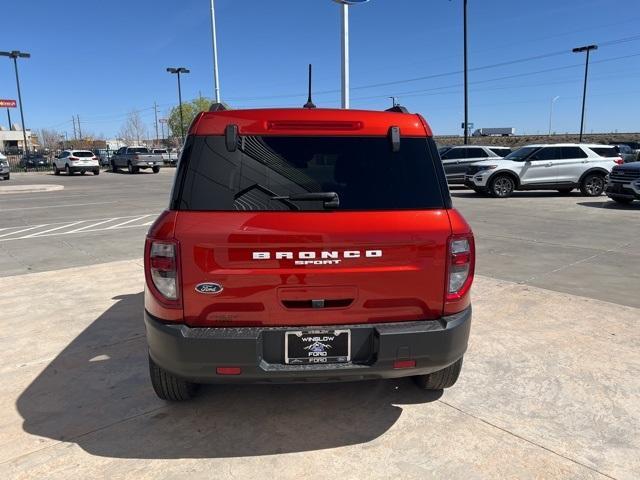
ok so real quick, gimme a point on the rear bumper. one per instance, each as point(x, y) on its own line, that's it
point(195, 353)
point(84, 168)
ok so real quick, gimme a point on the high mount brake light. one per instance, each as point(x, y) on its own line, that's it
point(460, 267)
point(164, 269)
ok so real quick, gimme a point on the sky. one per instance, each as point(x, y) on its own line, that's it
point(102, 59)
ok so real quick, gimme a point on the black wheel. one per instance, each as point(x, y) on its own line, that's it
point(502, 186)
point(7, 176)
point(96, 172)
point(156, 169)
point(592, 185)
point(444, 378)
point(82, 172)
point(114, 169)
point(129, 167)
point(622, 200)
point(169, 387)
point(67, 170)
point(56, 170)
point(565, 191)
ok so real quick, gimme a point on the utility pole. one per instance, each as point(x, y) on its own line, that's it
point(587, 49)
point(553, 100)
point(155, 111)
point(178, 71)
point(79, 129)
point(466, 89)
point(15, 54)
point(216, 80)
point(73, 119)
point(9, 118)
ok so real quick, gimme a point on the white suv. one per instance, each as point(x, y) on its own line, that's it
point(560, 167)
point(72, 161)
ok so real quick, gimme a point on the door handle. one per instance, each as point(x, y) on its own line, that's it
point(585, 161)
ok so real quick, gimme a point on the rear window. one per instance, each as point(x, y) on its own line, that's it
point(159, 150)
point(605, 151)
point(82, 154)
point(138, 150)
point(363, 172)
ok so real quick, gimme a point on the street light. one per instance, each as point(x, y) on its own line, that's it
point(345, 47)
point(15, 54)
point(553, 100)
point(587, 49)
point(178, 71)
point(216, 81)
point(466, 89)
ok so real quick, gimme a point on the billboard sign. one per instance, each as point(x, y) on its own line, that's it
point(4, 103)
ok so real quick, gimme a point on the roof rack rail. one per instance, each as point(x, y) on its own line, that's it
point(219, 107)
point(397, 109)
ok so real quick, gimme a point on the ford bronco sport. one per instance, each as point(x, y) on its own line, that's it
point(307, 245)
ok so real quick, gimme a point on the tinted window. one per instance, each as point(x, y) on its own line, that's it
point(159, 150)
point(476, 153)
point(363, 171)
point(82, 154)
point(138, 150)
point(572, 152)
point(455, 154)
point(546, 153)
point(501, 152)
point(605, 151)
point(521, 153)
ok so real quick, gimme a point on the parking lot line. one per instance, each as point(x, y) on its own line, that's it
point(23, 230)
point(54, 206)
point(52, 229)
point(86, 227)
point(127, 222)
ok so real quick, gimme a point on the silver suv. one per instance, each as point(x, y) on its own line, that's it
point(456, 159)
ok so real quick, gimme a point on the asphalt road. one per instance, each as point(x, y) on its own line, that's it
point(572, 244)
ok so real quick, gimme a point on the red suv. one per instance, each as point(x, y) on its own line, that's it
point(307, 245)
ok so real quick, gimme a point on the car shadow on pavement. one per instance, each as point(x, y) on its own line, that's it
point(96, 393)
point(611, 205)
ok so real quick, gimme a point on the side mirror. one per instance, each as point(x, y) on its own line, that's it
point(231, 137)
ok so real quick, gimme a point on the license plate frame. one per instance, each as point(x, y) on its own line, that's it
point(317, 344)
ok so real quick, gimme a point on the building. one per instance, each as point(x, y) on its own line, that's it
point(12, 141)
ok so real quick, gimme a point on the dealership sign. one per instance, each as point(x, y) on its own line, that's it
point(7, 103)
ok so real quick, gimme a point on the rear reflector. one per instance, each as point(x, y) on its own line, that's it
point(228, 370)
point(404, 364)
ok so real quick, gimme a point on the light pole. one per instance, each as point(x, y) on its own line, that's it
point(178, 71)
point(15, 54)
point(216, 80)
point(587, 49)
point(553, 100)
point(345, 47)
point(466, 89)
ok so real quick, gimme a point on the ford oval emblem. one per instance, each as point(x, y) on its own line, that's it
point(209, 288)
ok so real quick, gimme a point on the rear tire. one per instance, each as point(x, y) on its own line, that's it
point(68, 171)
point(82, 172)
point(168, 386)
point(444, 378)
point(592, 185)
point(130, 168)
point(96, 172)
point(114, 169)
point(502, 186)
point(56, 170)
point(156, 169)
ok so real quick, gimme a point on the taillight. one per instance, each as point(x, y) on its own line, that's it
point(619, 161)
point(136, 157)
point(461, 266)
point(163, 268)
point(73, 159)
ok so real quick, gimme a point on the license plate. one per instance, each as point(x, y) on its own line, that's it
point(317, 346)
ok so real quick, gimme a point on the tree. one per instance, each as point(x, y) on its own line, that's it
point(50, 139)
point(189, 111)
point(133, 129)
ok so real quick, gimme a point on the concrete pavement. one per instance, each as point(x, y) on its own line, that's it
point(549, 389)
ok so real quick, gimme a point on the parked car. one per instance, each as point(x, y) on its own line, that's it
point(457, 159)
point(104, 156)
point(635, 146)
point(325, 240)
point(72, 161)
point(134, 159)
point(168, 157)
point(623, 184)
point(626, 153)
point(4, 168)
point(495, 132)
point(34, 160)
point(560, 167)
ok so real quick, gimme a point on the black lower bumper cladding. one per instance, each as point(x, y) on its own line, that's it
point(195, 354)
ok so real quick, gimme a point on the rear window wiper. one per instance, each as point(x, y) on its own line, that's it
point(329, 199)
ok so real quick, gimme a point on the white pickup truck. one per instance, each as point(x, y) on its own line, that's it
point(135, 158)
